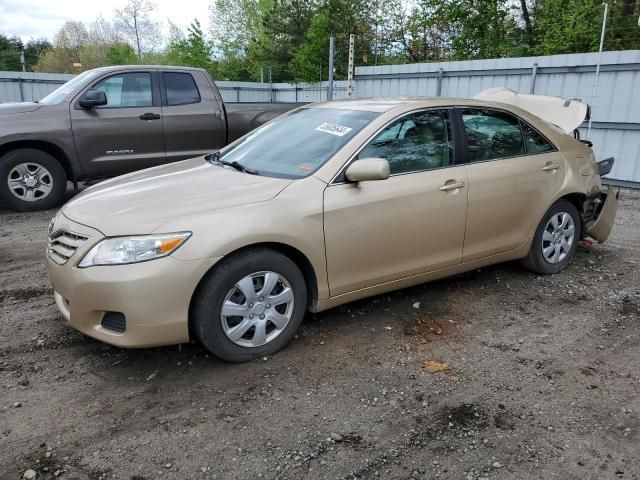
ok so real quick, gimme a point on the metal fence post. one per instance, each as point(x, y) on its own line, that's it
point(350, 72)
point(270, 85)
point(534, 72)
point(439, 83)
point(330, 86)
point(21, 89)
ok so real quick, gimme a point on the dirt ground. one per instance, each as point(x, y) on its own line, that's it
point(543, 382)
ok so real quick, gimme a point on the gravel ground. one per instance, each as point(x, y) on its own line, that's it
point(543, 382)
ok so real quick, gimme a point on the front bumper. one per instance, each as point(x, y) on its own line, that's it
point(153, 296)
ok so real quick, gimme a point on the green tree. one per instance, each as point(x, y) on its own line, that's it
point(571, 26)
point(121, 54)
point(34, 50)
point(194, 50)
point(340, 19)
point(10, 48)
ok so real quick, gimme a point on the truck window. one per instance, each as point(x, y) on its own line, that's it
point(126, 90)
point(181, 88)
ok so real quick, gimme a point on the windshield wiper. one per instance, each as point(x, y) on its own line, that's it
point(215, 157)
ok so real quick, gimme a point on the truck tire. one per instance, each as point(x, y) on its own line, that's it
point(250, 305)
point(31, 179)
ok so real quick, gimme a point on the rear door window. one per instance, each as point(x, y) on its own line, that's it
point(492, 134)
point(180, 88)
point(535, 142)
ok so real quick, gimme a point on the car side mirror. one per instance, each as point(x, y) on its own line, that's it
point(93, 99)
point(368, 169)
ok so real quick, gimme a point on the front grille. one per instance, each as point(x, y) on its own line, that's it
point(114, 321)
point(63, 244)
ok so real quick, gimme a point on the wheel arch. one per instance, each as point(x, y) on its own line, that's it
point(577, 199)
point(52, 149)
point(295, 255)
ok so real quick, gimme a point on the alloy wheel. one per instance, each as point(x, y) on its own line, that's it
point(30, 181)
point(558, 237)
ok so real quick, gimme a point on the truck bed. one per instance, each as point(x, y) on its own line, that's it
point(244, 117)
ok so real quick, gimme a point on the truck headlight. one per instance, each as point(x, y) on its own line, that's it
point(134, 249)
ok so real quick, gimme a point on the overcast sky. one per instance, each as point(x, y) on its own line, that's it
point(43, 18)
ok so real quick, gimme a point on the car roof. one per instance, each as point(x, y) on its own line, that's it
point(117, 68)
point(383, 104)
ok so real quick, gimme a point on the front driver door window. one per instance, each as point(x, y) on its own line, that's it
point(417, 142)
point(405, 226)
point(127, 90)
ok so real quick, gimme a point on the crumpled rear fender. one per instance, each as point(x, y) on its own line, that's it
point(605, 207)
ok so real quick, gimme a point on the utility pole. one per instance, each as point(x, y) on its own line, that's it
point(270, 83)
point(330, 86)
point(24, 64)
point(350, 72)
point(261, 74)
point(595, 81)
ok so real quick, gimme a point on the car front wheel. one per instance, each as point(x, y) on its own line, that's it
point(556, 239)
point(250, 305)
point(31, 179)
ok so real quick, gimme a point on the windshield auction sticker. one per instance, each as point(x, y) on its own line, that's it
point(334, 129)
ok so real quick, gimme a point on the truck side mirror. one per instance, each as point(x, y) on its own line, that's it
point(93, 99)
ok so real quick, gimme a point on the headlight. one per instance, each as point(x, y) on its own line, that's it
point(140, 248)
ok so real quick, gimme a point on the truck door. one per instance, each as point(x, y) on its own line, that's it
point(125, 134)
point(192, 115)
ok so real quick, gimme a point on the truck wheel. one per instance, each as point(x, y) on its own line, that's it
point(556, 239)
point(250, 305)
point(31, 179)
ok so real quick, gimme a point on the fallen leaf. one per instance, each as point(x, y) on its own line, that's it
point(437, 329)
point(430, 366)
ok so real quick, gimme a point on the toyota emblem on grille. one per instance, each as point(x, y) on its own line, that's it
point(52, 222)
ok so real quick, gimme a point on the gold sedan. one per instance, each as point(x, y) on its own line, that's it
point(324, 205)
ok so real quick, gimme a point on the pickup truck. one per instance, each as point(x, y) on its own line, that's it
point(114, 120)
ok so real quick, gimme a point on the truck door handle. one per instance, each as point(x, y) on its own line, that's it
point(550, 167)
point(451, 186)
point(150, 116)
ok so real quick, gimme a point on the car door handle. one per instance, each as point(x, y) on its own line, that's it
point(451, 186)
point(150, 116)
point(550, 167)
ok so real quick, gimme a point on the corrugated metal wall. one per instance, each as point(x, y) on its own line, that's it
point(282, 92)
point(28, 86)
point(615, 111)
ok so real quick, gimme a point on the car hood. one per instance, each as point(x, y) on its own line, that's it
point(565, 113)
point(21, 107)
point(140, 202)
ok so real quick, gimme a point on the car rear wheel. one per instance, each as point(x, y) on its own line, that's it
point(556, 239)
point(250, 305)
point(31, 179)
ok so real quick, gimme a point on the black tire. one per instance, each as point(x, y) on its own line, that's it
point(207, 305)
point(56, 178)
point(536, 260)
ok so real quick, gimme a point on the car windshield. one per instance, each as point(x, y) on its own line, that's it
point(296, 144)
point(60, 93)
